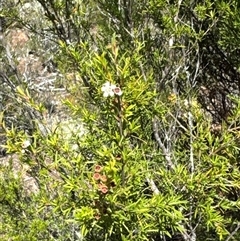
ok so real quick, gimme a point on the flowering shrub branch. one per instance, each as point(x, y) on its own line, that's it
point(109, 89)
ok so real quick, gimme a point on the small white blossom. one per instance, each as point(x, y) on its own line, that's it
point(107, 89)
point(110, 89)
point(26, 144)
point(117, 91)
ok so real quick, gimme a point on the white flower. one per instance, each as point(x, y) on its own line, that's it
point(117, 91)
point(26, 144)
point(110, 89)
point(107, 89)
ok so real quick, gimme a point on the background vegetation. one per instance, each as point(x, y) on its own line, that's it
point(119, 120)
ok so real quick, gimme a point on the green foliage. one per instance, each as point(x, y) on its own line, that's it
point(139, 158)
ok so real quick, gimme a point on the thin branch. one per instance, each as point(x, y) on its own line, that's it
point(153, 186)
point(233, 232)
point(165, 150)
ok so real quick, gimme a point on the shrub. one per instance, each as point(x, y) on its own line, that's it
point(138, 157)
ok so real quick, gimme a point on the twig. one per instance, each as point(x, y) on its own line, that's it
point(153, 186)
point(161, 145)
point(233, 232)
